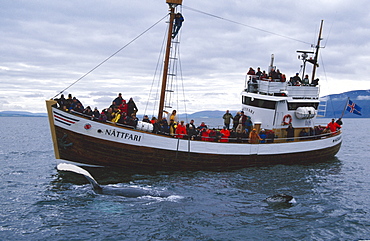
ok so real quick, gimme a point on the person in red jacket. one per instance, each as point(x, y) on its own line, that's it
point(225, 135)
point(123, 107)
point(333, 126)
point(204, 133)
point(181, 130)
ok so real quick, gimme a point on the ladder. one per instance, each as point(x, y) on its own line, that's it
point(321, 110)
point(172, 72)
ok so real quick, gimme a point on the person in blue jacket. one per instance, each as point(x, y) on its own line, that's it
point(178, 23)
point(263, 136)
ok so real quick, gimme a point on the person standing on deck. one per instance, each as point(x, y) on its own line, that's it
point(172, 116)
point(290, 133)
point(131, 107)
point(227, 118)
point(118, 101)
point(254, 138)
point(248, 124)
point(333, 126)
point(259, 73)
point(306, 80)
point(236, 120)
point(339, 121)
point(242, 120)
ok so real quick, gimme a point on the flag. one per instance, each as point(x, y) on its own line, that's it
point(353, 108)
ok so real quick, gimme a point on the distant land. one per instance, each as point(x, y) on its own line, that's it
point(336, 103)
point(21, 114)
point(334, 107)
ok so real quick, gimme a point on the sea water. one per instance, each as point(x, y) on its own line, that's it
point(38, 203)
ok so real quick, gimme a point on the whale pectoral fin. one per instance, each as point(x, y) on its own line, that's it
point(73, 168)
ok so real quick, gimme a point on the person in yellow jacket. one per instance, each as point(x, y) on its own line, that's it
point(116, 116)
point(254, 138)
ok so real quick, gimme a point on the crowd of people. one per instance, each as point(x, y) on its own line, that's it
point(273, 75)
point(277, 76)
point(118, 112)
point(205, 133)
point(314, 133)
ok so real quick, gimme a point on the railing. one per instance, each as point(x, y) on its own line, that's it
point(277, 87)
point(246, 140)
point(219, 138)
point(96, 119)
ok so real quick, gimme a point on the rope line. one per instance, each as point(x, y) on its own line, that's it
point(245, 25)
point(158, 68)
point(112, 55)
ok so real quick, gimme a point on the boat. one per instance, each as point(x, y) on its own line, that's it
point(273, 105)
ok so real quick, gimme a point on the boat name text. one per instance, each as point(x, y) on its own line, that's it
point(337, 139)
point(123, 135)
point(249, 110)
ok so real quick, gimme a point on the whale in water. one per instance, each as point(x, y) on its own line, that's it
point(280, 198)
point(109, 190)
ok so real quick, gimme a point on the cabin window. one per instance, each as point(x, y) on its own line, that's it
point(295, 105)
point(267, 104)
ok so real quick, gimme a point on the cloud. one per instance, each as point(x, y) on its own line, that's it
point(362, 97)
point(48, 46)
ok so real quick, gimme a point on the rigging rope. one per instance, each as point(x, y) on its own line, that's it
point(245, 25)
point(183, 89)
point(101, 63)
point(159, 66)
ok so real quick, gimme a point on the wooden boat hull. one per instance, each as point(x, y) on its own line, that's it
point(81, 140)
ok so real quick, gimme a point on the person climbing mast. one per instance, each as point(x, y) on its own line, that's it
point(178, 23)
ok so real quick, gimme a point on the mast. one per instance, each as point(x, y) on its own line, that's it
point(317, 52)
point(172, 4)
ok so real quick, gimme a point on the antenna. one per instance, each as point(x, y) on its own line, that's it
point(304, 57)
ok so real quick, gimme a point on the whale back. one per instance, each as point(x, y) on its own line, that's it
point(280, 198)
point(110, 190)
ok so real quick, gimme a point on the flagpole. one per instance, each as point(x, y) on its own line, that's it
point(345, 107)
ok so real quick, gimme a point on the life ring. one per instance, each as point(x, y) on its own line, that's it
point(287, 119)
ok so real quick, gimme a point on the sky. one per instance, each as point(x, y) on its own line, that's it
point(47, 46)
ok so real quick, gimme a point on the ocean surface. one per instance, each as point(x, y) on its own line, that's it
point(38, 203)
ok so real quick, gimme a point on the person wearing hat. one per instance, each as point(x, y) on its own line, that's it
point(146, 119)
point(254, 138)
point(225, 133)
point(263, 135)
